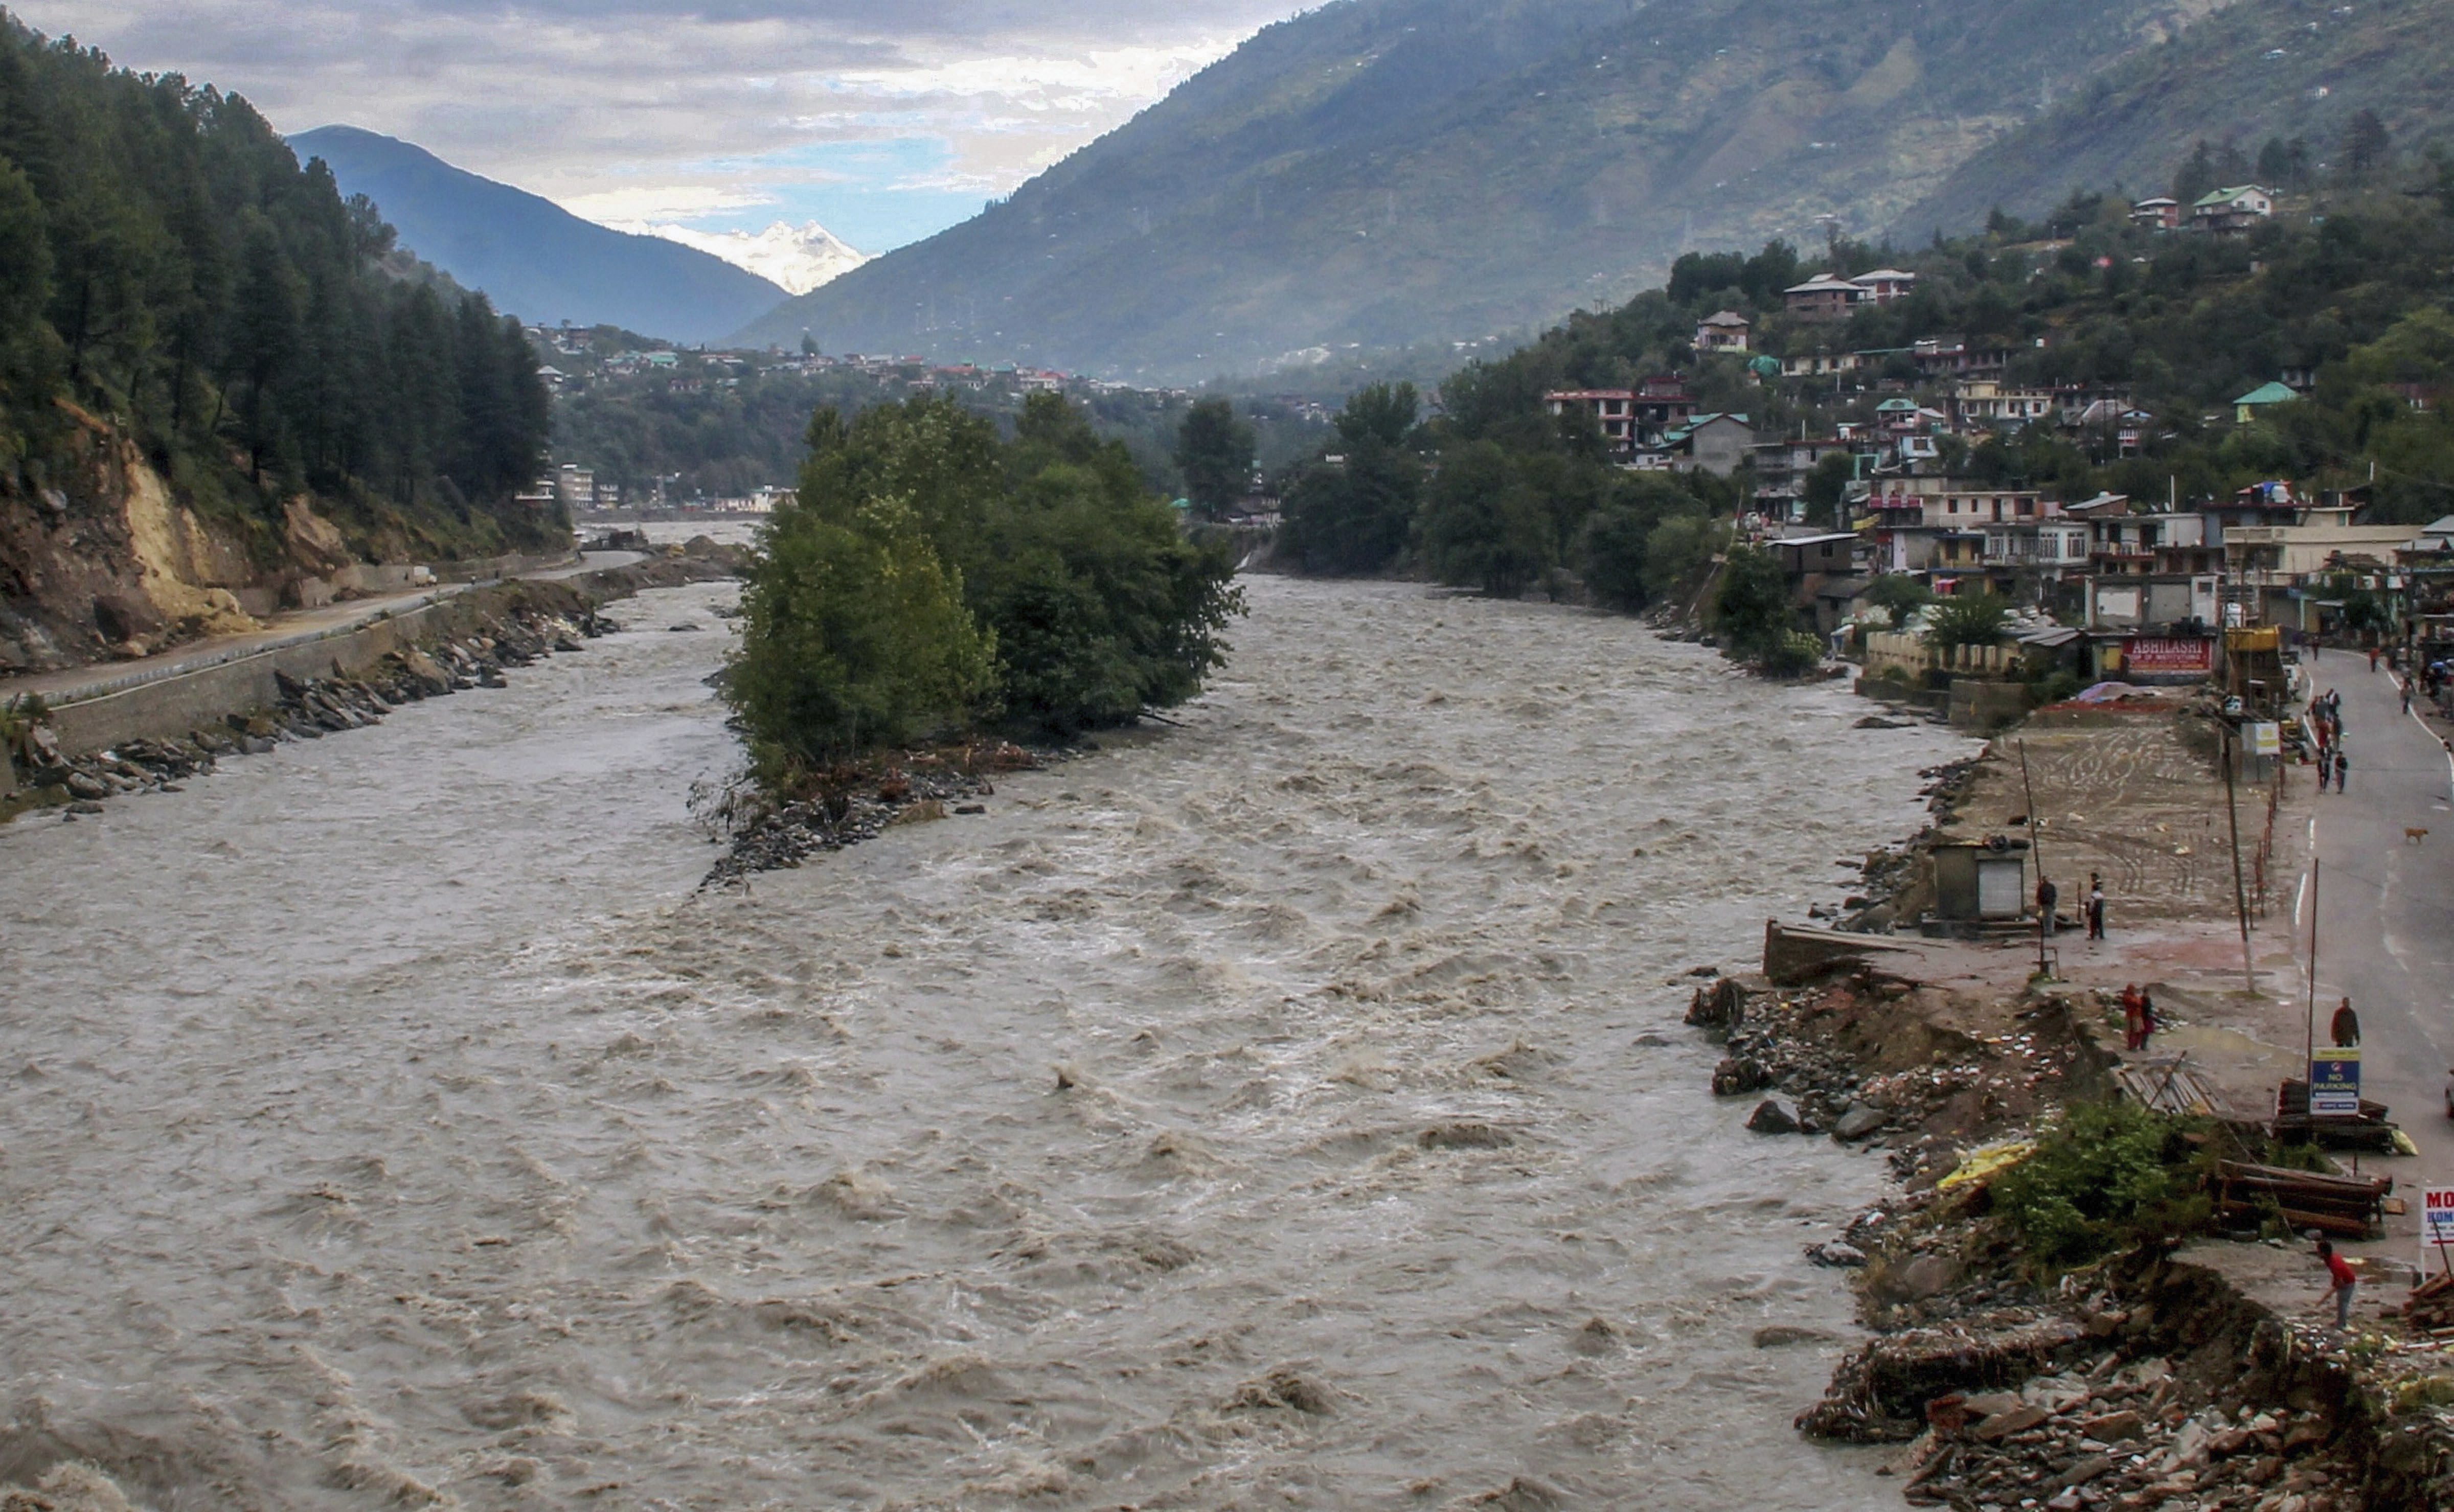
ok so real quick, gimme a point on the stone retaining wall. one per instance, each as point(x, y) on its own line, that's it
point(169, 707)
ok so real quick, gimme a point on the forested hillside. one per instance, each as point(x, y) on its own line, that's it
point(2272, 86)
point(1380, 172)
point(178, 295)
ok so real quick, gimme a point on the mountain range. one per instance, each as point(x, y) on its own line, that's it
point(1376, 172)
point(534, 258)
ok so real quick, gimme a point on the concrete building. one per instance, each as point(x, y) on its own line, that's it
point(2236, 209)
point(1725, 330)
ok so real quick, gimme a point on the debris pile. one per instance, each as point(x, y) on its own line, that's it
point(851, 804)
point(2116, 1435)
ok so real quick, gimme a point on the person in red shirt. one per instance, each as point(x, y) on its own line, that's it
point(2345, 1282)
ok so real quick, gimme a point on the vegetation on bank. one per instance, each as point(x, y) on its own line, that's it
point(933, 578)
point(168, 266)
point(2109, 1178)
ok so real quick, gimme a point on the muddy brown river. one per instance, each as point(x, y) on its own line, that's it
point(1287, 1110)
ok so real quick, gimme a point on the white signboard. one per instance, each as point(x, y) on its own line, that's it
point(2265, 738)
point(2438, 1228)
point(2436, 1218)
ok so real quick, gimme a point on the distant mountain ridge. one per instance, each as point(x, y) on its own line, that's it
point(2260, 69)
point(532, 258)
point(1379, 171)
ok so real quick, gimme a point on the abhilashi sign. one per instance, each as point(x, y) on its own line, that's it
point(2335, 1082)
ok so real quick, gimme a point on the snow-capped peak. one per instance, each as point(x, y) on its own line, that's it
point(798, 257)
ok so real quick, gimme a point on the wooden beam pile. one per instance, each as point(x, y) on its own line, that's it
point(2344, 1206)
point(2370, 1130)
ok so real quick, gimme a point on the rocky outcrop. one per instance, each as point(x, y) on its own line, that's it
point(104, 558)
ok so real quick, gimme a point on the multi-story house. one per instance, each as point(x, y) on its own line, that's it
point(2227, 210)
point(1725, 330)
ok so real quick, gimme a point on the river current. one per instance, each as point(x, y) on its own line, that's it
point(1290, 1109)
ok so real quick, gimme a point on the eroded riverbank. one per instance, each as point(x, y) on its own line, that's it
point(412, 1131)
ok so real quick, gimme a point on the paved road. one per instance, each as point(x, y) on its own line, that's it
point(83, 682)
point(2385, 908)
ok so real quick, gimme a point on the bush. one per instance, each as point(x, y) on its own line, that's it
point(2111, 1177)
point(1794, 655)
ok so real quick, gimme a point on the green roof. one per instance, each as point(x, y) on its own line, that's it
point(2267, 393)
point(2224, 197)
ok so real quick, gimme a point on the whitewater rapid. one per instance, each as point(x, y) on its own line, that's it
point(1290, 1109)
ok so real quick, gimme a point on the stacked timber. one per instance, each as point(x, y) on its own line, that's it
point(2294, 1124)
point(2344, 1206)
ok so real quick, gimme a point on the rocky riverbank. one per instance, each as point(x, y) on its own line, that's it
point(2146, 1380)
point(854, 802)
point(503, 627)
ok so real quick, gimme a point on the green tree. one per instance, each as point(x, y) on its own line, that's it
point(1967, 620)
point(2367, 146)
point(1898, 595)
point(1214, 451)
point(1827, 488)
point(1382, 414)
point(853, 635)
point(1096, 605)
point(1679, 551)
point(1482, 526)
point(1752, 609)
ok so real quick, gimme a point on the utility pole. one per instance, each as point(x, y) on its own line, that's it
point(2239, 897)
point(2037, 849)
point(2309, 1026)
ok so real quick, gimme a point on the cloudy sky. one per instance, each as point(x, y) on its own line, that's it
point(884, 120)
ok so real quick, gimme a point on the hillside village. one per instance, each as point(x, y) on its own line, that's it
point(1895, 465)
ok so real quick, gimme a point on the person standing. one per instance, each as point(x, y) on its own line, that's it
point(2147, 1026)
point(2131, 1004)
point(2373, 659)
point(2342, 761)
point(2345, 1025)
point(2047, 896)
point(2095, 906)
point(2343, 1284)
point(2407, 694)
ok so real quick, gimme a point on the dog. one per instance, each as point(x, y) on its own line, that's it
point(2414, 835)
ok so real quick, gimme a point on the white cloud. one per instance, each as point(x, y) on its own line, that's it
point(625, 110)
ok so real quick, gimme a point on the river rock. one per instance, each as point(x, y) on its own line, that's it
point(1927, 1275)
point(1861, 1120)
point(2002, 1424)
point(1738, 1074)
point(1838, 1253)
point(1771, 1117)
point(86, 785)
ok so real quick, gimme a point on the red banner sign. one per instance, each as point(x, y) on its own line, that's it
point(2167, 654)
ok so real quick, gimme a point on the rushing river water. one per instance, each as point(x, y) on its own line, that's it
point(386, 1119)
